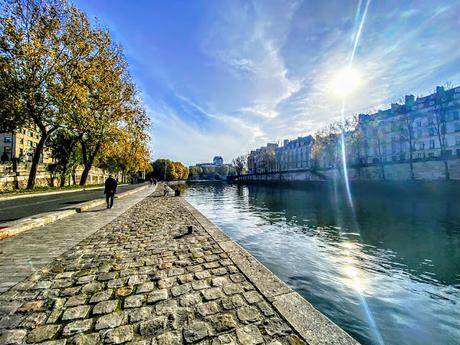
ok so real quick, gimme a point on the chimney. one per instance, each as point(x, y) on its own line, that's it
point(410, 100)
point(394, 106)
point(439, 89)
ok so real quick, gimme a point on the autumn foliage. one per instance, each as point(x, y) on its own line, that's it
point(64, 75)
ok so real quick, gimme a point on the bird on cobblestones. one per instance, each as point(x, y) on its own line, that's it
point(189, 231)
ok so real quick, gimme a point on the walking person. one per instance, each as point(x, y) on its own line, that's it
point(110, 190)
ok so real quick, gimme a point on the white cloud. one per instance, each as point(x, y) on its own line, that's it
point(278, 62)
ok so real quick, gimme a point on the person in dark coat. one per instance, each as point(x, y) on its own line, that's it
point(5, 158)
point(110, 190)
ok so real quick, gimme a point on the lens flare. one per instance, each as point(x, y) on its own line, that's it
point(345, 82)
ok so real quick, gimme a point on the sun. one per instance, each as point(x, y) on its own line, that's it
point(345, 82)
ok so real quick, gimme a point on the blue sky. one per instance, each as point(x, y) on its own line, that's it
point(223, 77)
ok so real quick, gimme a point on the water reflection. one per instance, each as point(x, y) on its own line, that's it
point(405, 261)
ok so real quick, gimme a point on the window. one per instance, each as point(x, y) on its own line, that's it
point(431, 154)
point(21, 152)
point(421, 146)
point(455, 115)
point(431, 131)
point(402, 157)
point(432, 145)
point(419, 123)
point(430, 120)
point(458, 152)
point(419, 133)
point(7, 140)
point(457, 126)
point(21, 141)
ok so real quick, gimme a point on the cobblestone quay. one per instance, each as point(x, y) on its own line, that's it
point(142, 280)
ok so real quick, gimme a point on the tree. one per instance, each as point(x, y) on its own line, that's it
point(128, 151)
point(174, 170)
point(377, 132)
point(326, 146)
point(64, 151)
point(407, 135)
point(109, 101)
point(209, 170)
point(196, 170)
point(439, 123)
point(240, 164)
point(222, 170)
point(34, 47)
point(353, 129)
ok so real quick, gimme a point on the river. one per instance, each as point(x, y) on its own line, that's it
point(386, 269)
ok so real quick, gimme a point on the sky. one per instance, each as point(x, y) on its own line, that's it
point(222, 77)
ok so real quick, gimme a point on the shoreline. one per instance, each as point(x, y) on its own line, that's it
point(313, 326)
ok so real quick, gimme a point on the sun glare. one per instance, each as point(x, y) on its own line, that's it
point(345, 82)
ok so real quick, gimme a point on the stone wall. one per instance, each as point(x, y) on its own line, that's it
point(9, 180)
point(426, 171)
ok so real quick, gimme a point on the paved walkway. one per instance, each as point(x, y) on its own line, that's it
point(141, 279)
point(28, 252)
point(21, 206)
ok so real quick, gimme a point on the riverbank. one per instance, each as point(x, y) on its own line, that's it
point(142, 279)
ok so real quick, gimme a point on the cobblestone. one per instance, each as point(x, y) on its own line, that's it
point(132, 282)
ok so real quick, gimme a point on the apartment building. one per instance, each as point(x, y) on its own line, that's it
point(21, 144)
point(419, 129)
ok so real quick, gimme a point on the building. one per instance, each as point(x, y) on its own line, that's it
point(295, 154)
point(263, 159)
point(218, 160)
point(21, 144)
point(421, 129)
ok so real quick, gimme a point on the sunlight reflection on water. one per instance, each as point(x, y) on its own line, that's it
point(406, 262)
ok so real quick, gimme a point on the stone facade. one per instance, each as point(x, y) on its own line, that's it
point(10, 180)
point(295, 154)
point(428, 171)
point(21, 144)
point(263, 159)
point(422, 134)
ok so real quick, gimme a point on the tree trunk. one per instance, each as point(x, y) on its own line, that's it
point(87, 162)
point(411, 165)
point(382, 169)
point(36, 160)
point(446, 167)
point(84, 174)
point(64, 165)
point(62, 182)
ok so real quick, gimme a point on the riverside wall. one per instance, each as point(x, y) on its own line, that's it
point(424, 171)
point(10, 180)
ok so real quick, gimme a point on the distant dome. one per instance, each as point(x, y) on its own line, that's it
point(218, 160)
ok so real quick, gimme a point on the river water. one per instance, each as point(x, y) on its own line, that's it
point(387, 270)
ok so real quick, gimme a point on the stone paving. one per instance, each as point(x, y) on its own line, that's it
point(27, 252)
point(141, 280)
